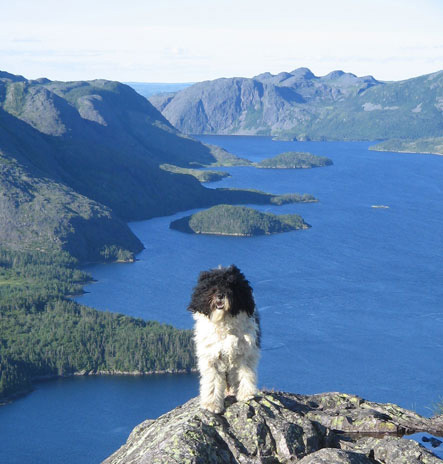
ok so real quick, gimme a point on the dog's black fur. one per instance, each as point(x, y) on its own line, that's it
point(228, 281)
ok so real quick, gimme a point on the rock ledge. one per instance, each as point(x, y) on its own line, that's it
point(276, 427)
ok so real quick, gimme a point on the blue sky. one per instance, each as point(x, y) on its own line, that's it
point(194, 40)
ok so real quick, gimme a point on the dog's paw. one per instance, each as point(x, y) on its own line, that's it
point(212, 408)
point(246, 395)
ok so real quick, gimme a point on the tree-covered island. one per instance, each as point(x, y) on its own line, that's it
point(238, 221)
point(294, 160)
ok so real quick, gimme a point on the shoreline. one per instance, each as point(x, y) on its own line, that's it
point(226, 234)
point(404, 151)
point(44, 378)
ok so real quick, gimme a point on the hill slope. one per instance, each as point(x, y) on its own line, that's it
point(338, 106)
point(104, 140)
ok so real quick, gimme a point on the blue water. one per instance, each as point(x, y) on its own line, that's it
point(353, 304)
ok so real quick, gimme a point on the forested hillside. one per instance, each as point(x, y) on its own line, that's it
point(44, 334)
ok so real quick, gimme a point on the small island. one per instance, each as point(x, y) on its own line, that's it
point(238, 221)
point(429, 145)
point(294, 160)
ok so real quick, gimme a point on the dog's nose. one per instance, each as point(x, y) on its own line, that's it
point(220, 296)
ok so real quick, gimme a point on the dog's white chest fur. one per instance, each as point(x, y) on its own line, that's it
point(228, 337)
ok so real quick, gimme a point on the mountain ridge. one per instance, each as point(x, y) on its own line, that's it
point(98, 142)
point(299, 105)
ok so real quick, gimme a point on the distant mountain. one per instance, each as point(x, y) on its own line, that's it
point(79, 159)
point(298, 104)
point(148, 89)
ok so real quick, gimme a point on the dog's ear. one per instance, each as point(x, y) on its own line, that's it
point(244, 299)
point(198, 302)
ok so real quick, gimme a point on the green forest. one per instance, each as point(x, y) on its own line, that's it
point(43, 333)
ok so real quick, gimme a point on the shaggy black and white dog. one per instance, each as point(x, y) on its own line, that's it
point(227, 336)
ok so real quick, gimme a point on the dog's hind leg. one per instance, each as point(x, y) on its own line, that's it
point(212, 389)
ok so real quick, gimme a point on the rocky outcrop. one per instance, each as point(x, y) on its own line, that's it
point(329, 428)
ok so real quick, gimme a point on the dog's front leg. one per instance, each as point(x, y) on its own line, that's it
point(212, 388)
point(247, 377)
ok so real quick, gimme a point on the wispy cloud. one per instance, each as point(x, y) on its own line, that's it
point(25, 40)
point(173, 41)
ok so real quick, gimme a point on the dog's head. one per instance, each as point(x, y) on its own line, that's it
point(222, 291)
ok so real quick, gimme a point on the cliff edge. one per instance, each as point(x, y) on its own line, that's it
point(275, 427)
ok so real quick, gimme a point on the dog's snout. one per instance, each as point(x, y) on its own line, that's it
point(220, 296)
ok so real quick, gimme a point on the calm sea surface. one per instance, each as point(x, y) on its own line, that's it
point(353, 304)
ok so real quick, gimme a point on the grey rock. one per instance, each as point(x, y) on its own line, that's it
point(335, 456)
point(333, 428)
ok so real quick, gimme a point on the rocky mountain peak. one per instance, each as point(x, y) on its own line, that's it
point(336, 74)
point(11, 77)
point(299, 105)
point(303, 73)
point(275, 427)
